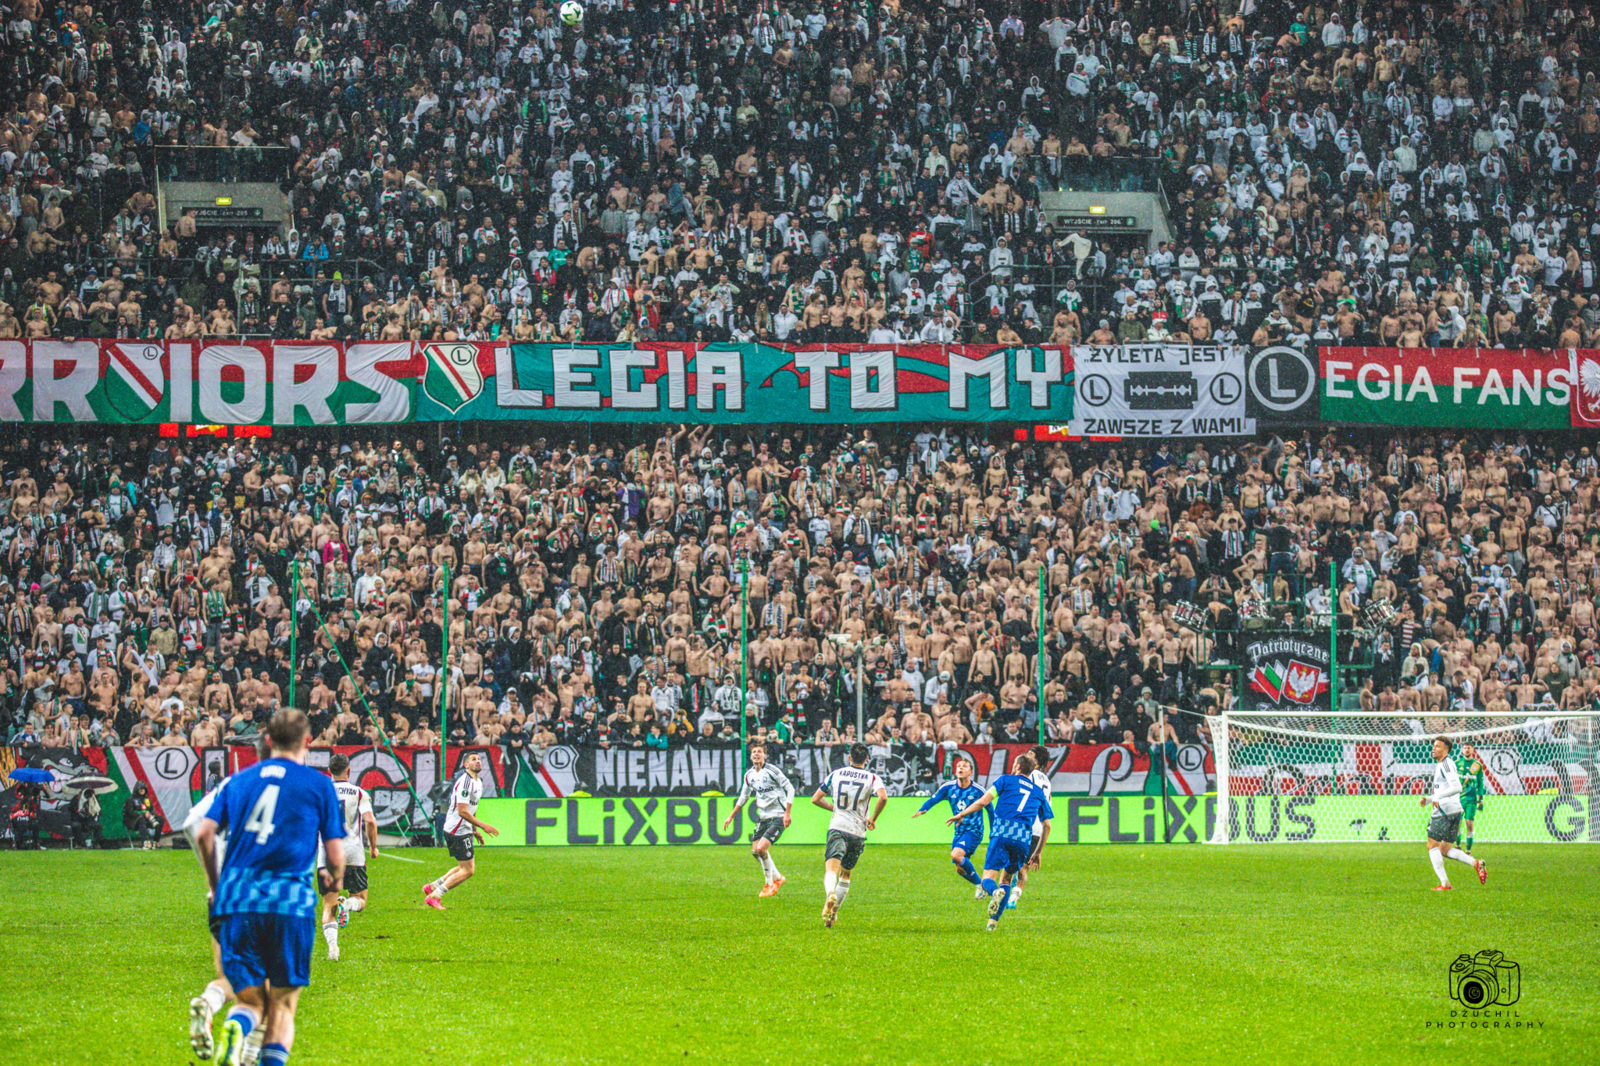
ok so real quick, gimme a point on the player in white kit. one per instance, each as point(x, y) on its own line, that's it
point(774, 798)
point(461, 827)
point(1042, 779)
point(848, 793)
point(361, 836)
point(218, 993)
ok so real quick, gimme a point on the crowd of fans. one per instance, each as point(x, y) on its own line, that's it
point(153, 588)
point(1406, 173)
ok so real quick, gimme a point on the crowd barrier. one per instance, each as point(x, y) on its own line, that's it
point(1132, 390)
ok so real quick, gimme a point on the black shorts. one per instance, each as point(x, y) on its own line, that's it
point(768, 829)
point(214, 923)
point(1445, 828)
point(846, 848)
point(460, 846)
point(355, 879)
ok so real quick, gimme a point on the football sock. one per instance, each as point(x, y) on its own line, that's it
point(330, 933)
point(252, 1046)
point(1438, 865)
point(1015, 893)
point(967, 871)
point(766, 869)
point(355, 904)
point(1460, 856)
point(214, 996)
point(989, 886)
point(1008, 889)
point(441, 888)
point(275, 1055)
point(1469, 844)
point(830, 881)
point(772, 867)
point(844, 890)
point(245, 1017)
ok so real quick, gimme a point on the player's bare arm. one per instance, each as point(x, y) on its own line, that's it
point(371, 826)
point(332, 875)
point(205, 843)
point(479, 826)
point(1044, 838)
point(883, 801)
point(822, 800)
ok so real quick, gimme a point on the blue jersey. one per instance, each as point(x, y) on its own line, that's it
point(959, 799)
point(272, 813)
point(1018, 802)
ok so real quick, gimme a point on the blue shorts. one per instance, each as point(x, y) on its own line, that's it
point(1005, 854)
point(968, 841)
point(261, 948)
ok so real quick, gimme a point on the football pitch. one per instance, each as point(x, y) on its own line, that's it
point(1117, 954)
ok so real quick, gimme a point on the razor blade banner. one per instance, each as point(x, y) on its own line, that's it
point(652, 821)
point(178, 777)
point(1553, 819)
point(1161, 390)
point(1302, 766)
point(1284, 673)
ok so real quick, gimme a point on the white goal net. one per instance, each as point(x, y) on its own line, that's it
point(1358, 777)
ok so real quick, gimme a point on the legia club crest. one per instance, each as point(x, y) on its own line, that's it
point(452, 379)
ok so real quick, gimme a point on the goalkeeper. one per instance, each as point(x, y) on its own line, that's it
point(1470, 767)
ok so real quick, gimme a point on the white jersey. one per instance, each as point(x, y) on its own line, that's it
point(1042, 779)
point(467, 790)
point(771, 788)
point(354, 804)
point(1446, 786)
point(851, 789)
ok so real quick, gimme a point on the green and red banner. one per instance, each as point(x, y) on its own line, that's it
point(744, 383)
point(1469, 388)
point(1124, 390)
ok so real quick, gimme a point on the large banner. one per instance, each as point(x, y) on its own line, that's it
point(1097, 769)
point(1586, 389)
point(688, 820)
point(1286, 673)
point(566, 771)
point(179, 776)
point(742, 383)
point(1160, 390)
point(285, 383)
point(1470, 388)
point(1387, 819)
point(1302, 766)
point(1281, 386)
point(1075, 769)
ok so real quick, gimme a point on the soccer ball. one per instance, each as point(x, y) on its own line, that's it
point(572, 12)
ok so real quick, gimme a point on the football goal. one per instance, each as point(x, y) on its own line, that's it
point(1357, 776)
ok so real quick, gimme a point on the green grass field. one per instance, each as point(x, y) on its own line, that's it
point(1124, 954)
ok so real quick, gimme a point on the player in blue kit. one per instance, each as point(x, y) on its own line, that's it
point(1018, 802)
point(263, 896)
point(969, 834)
